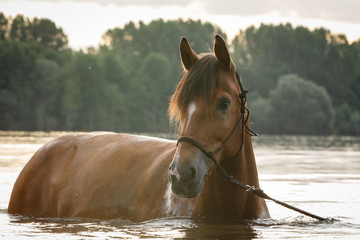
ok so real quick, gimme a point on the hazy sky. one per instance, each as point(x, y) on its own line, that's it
point(84, 21)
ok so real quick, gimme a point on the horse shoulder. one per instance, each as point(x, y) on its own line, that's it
point(121, 176)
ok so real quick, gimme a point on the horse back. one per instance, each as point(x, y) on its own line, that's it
point(98, 175)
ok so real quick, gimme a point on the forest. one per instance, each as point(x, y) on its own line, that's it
point(300, 81)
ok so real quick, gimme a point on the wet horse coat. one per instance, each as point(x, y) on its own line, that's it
point(108, 175)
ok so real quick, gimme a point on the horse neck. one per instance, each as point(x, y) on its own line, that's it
point(243, 166)
point(220, 197)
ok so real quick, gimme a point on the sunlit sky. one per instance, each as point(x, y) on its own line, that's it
point(85, 21)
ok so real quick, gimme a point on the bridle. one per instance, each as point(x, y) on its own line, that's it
point(243, 121)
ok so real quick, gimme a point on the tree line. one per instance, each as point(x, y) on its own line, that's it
point(300, 81)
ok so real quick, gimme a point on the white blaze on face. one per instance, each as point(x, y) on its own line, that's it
point(191, 110)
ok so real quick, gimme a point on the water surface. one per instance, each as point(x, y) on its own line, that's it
point(317, 174)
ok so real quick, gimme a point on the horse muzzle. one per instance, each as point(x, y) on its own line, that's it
point(187, 176)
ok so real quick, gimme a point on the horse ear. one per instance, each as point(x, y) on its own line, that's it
point(188, 56)
point(222, 52)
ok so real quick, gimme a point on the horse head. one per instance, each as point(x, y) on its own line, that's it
point(207, 107)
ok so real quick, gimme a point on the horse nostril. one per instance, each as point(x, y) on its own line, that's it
point(172, 178)
point(188, 174)
point(174, 175)
point(192, 173)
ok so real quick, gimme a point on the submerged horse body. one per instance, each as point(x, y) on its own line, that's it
point(97, 175)
point(109, 175)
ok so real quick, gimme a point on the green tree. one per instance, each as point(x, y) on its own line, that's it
point(69, 97)
point(260, 115)
point(124, 85)
point(45, 87)
point(87, 74)
point(355, 123)
point(17, 64)
point(3, 26)
point(300, 107)
point(48, 34)
point(347, 120)
point(20, 28)
point(152, 103)
point(153, 62)
point(28, 90)
point(42, 30)
point(265, 53)
point(118, 85)
point(135, 41)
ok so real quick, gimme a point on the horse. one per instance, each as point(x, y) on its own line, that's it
point(107, 175)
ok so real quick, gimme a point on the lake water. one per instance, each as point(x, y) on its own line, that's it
point(317, 174)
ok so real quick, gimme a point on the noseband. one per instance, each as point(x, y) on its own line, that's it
point(243, 120)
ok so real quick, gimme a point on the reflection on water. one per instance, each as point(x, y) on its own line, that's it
point(317, 174)
point(160, 228)
point(328, 143)
point(201, 228)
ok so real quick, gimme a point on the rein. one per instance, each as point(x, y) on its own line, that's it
point(257, 191)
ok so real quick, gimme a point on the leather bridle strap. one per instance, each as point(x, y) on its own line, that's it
point(208, 153)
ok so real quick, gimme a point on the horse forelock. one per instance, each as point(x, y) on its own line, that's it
point(200, 81)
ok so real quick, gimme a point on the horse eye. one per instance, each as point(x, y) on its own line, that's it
point(223, 104)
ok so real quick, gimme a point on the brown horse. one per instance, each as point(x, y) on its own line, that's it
point(108, 175)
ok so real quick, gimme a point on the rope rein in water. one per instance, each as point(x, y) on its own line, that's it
point(257, 191)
